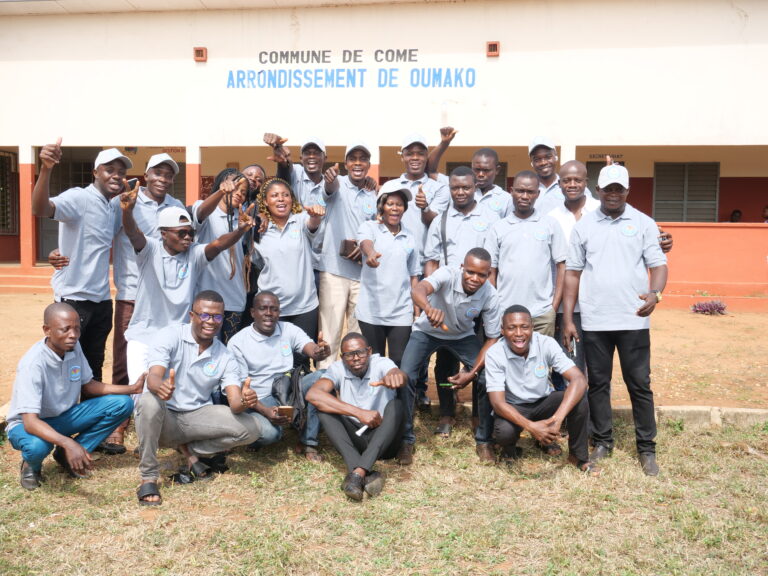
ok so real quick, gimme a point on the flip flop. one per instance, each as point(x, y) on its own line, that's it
point(551, 449)
point(148, 489)
point(444, 430)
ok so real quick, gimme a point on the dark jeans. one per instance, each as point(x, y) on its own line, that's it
point(507, 434)
point(382, 442)
point(123, 313)
point(634, 348)
point(307, 322)
point(420, 347)
point(383, 339)
point(579, 359)
point(446, 364)
point(95, 326)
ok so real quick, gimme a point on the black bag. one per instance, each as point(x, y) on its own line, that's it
point(286, 389)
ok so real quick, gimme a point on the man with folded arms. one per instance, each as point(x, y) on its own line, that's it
point(360, 412)
point(187, 362)
point(517, 378)
point(44, 411)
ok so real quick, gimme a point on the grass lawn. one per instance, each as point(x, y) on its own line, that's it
point(274, 513)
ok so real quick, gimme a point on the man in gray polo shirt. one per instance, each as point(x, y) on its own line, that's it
point(186, 364)
point(264, 352)
point(349, 200)
point(86, 226)
point(359, 409)
point(612, 251)
point(524, 246)
point(451, 299)
point(305, 178)
point(517, 378)
point(543, 156)
point(168, 273)
point(44, 410)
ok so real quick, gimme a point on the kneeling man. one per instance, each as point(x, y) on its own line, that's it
point(45, 412)
point(517, 379)
point(364, 418)
point(186, 364)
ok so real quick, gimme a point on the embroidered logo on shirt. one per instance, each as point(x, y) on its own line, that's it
point(480, 225)
point(541, 234)
point(405, 243)
point(209, 369)
point(183, 272)
point(495, 204)
point(369, 207)
point(472, 312)
point(293, 233)
point(285, 348)
point(540, 371)
point(629, 230)
point(74, 373)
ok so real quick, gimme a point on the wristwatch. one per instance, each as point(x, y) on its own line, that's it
point(658, 295)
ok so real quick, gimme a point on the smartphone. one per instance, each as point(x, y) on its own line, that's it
point(572, 353)
point(285, 411)
point(131, 184)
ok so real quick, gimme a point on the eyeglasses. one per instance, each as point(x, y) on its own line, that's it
point(362, 353)
point(182, 232)
point(205, 317)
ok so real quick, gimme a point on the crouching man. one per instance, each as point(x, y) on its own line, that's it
point(360, 412)
point(186, 363)
point(517, 379)
point(45, 412)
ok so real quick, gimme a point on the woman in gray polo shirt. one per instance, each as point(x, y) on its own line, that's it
point(390, 269)
point(286, 250)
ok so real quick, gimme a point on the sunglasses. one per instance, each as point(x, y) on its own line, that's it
point(182, 232)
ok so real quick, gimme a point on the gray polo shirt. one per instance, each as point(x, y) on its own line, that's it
point(460, 308)
point(86, 225)
point(462, 233)
point(550, 197)
point(385, 291)
point(218, 274)
point(496, 200)
point(165, 289)
point(614, 257)
point(438, 197)
point(124, 267)
point(523, 251)
point(309, 194)
point(287, 271)
point(358, 391)
point(47, 385)
point(264, 358)
point(346, 209)
point(197, 375)
point(524, 380)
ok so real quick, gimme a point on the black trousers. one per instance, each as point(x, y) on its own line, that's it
point(634, 348)
point(382, 442)
point(507, 434)
point(307, 322)
point(95, 326)
point(383, 339)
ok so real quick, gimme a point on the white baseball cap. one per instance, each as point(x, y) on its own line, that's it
point(316, 141)
point(414, 139)
point(613, 174)
point(111, 154)
point(173, 217)
point(158, 159)
point(393, 187)
point(540, 141)
point(357, 145)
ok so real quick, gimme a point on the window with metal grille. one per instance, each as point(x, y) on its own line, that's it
point(686, 192)
point(9, 193)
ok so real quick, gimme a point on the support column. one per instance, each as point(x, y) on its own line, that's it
point(193, 190)
point(27, 220)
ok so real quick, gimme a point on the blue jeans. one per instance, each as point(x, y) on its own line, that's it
point(419, 348)
point(92, 421)
point(308, 436)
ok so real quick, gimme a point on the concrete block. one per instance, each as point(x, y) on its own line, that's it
point(744, 417)
point(693, 417)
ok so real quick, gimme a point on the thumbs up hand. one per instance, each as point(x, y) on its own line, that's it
point(323, 349)
point(50, 155)
point(165, 390)
point(421, 199)
point(247, 396)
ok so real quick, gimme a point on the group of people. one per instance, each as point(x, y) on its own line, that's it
point(224, 305)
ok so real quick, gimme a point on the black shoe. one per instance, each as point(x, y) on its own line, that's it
point(217, 463)
point(61, 459)
point(353, 486)
point(374, 483)
point(405, 454)
point(648, 463)
point(601, 451)
point(423, 403)
point(30, 480)
point(110, 448)
point(510, 454)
